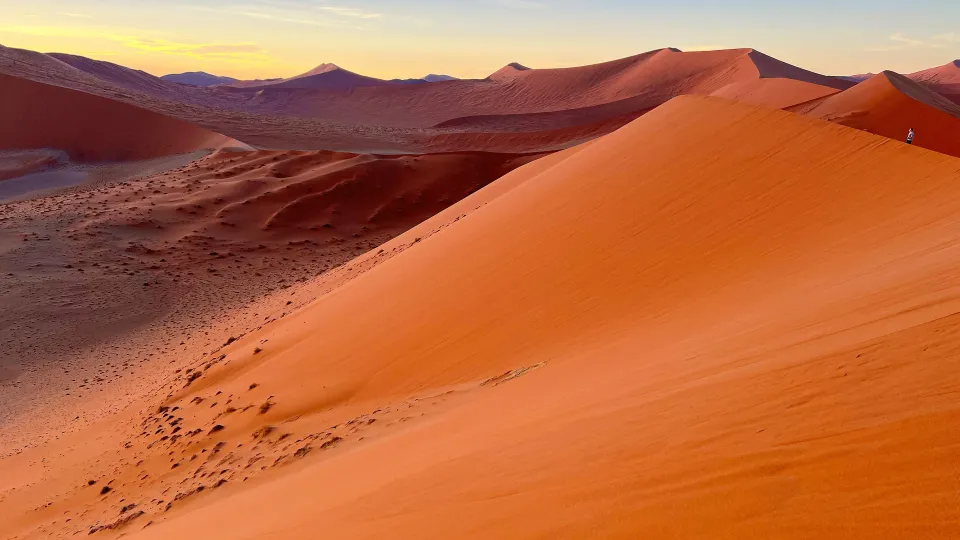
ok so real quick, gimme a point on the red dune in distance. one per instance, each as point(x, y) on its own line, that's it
point(517, 109)
point(778, 93)
point(508, 72)
point(746, 330)
point(329, 76)
point(559, 107)
point(319, 70)
point(890, 104)
point(92, 128)
point(657, 75)
point(121, 76)
point(647, 80)
point(331, 108)
point(96, 77)
point(944, 80)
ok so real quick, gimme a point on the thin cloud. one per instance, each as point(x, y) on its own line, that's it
point(520, 4)
point(350, 12)
point(222, 51)
point(901, 42)
point(246, 52)
point(61, 31)
point(696, 48)
point(75, 15)
point(282, 18)
point(298, 12)
point(318, 5)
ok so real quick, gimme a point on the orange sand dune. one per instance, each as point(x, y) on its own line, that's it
point(718, 322)
point(91, 128)
point(946, 74)
point(509, 71)
point(890, 104)
point(741, 331)
point(944, 80)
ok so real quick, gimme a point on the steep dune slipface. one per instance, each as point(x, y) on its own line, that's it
point(718, 322)
point(92, 128)
point(890, 104)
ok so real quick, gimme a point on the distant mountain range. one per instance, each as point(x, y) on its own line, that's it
point(319, 76)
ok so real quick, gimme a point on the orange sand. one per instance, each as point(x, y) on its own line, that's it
point(720, 321)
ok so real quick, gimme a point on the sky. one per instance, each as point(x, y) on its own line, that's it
point(250, 39)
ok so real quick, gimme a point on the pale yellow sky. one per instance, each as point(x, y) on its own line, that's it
point(472, 38)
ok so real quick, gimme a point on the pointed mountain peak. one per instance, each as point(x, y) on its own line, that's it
point(508, 71)
point(322, 68)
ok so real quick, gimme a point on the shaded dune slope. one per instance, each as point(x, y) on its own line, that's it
point(123, 77)
point(169, 252)
point(299, 196)
point(92, 128)
point(890, 104)
point(720, 321)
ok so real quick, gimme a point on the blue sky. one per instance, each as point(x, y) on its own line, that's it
point(471, 38)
